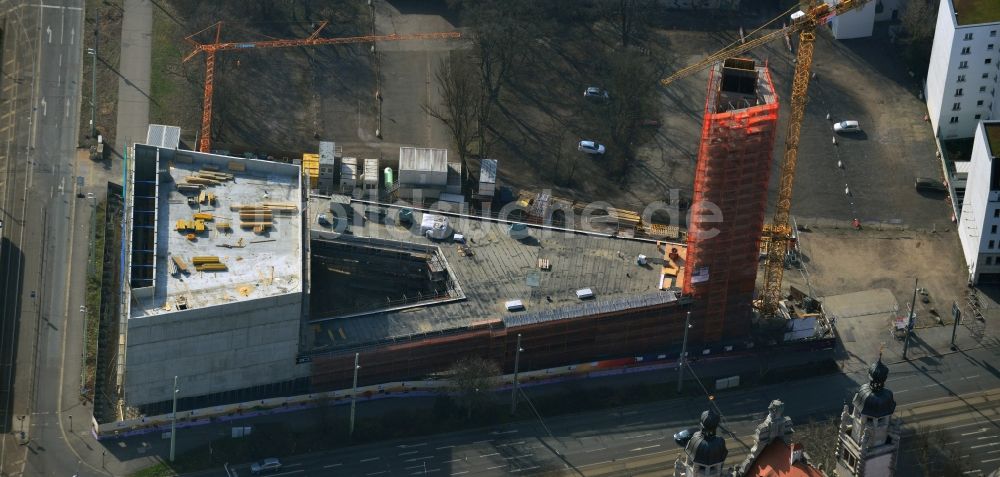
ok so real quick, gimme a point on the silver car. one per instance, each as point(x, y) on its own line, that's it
point(595, 92)
point(270, 464)
point(590, 147)
point(847, 127)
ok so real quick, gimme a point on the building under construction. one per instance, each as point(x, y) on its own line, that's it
point(730, 196)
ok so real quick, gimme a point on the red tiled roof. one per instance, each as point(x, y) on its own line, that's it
point(774, 461)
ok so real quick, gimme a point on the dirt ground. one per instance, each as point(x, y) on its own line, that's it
point(839, 261)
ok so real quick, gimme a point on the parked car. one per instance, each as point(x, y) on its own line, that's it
point(270, 464)
point(930, 185)
point(590, 147)
point(847, 127)
point(595, 92)
point(682, 437)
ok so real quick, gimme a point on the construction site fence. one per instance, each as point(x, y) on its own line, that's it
point(411, 389)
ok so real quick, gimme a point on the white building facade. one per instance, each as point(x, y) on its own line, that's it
point(861, 22)
point(964, 65)
point(979, 225)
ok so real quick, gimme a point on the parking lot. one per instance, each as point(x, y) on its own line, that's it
point(861, 80)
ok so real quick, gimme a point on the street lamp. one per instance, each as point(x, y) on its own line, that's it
point(173, 422)
point(93, 88)
point(513, 392)
point(354, 392)
point(682, 360)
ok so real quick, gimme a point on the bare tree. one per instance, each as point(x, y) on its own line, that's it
point(629, 17)
point(473, 380)
point(460, 92)
point(633, 88)
point(819, 438)
point(918, 20)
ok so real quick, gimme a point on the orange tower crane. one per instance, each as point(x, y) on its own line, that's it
point(804, 22)
point(205, 138)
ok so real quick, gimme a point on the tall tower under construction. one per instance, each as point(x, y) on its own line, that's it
point(730, 196)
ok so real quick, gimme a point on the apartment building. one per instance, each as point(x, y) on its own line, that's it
point(964, 65)
point(979, 225)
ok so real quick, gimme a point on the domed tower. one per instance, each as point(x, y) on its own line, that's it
point(705, 453)
point(868, 441)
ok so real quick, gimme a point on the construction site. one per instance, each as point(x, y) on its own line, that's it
point(249, 279)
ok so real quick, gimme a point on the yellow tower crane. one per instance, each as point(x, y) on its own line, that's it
point(803, 22)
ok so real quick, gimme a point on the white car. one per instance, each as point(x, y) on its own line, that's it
point(267, 465)
point(595, 92)
point(847, 127)
point(590, 147)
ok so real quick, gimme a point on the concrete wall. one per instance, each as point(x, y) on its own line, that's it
point(854, 24)
point(978, 210)
point(213, 349)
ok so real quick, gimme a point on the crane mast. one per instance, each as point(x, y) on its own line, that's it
point(205, 136)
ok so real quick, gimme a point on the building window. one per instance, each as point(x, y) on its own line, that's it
point(993, 33)
point(992, 245)
point(958, 92)
point(989, 60)
point(982, 89)
point(989, 260)
point(996, 213)
point(956, 107)
point(979, 116)
point(961, 78)
point(953, 120)
point(963, 65)
point(986, 75)
point(966, 50)
point(993, 229)
point(967, 37)
point(979, 103)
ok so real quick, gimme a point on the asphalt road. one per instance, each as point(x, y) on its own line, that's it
point(40, 155)
point(638, 439)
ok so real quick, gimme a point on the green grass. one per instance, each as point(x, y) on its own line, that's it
point(96, 270)
point(167, 53)
point(972, 12)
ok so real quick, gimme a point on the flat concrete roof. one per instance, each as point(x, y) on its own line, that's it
point(974, 12)
point(993, 136)
point(500, 269)
point(258, 265)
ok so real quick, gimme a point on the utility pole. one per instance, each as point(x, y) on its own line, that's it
point(354, 392)
point(909, 321)
point(93, 86)
point(173, 422)
point(956, 317)
point(683, 358)
point(517, 360)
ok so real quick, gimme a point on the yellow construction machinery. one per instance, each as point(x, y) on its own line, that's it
point(803, 22)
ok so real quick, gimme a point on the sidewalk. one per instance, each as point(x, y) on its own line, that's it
point(134, 84)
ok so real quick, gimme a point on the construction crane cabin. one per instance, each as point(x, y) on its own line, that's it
point(210, 49)
point(778, 233)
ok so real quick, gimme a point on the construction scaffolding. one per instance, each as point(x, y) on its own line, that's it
point(730, 196)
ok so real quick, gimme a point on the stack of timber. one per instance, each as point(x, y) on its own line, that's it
point(208, 263)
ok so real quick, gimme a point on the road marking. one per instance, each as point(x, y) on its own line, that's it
point(414, 467)
point(332, 466)
point(288, 473)
point(453, 460)
point(519, 456)
point(419, 458)
point(426, 471)
point(637, 449)
point(45, 107)
point(378, 473)
point(483, 442)
point(42, 5)
point(407, 446)
point(60, 59)
point(990, 460)
point(991, 444)
point(495, 467)
point(636, 437)
point(500, 433)
point(444, 447)
point(980, 431)
point(401, 454)
point(522, 469)
point(510, 444)
point(488, 455)
point(595, 450)
point(67, 108)
point(72, 34)
point(48, 32)
point(460, 473)
point(370, 459)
